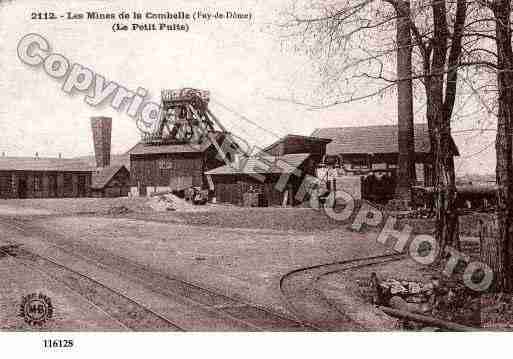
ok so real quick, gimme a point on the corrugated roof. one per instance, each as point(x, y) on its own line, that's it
point(263, 165)
point(372, 139)
point(102, 177)
point(44, 164)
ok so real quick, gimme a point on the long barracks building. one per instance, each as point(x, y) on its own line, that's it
point(38, 177)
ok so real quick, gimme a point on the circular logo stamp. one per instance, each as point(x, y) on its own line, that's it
point(36, 308)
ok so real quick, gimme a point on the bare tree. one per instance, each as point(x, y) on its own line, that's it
point(503, 266)
point(441, 58)
point(359, 33)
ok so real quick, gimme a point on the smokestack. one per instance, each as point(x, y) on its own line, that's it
point(101, 127)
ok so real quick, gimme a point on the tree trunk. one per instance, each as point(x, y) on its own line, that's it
point(447, 223)
point(504, 170)
point(406, 160)
point(491, 253)
point(439, 120)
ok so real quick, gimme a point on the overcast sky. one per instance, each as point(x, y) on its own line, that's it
point(242, 63)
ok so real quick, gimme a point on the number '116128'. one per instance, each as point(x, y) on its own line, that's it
point(58, 343)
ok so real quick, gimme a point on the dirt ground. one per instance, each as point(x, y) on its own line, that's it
point(242, 252)
point(245, 263)
point(70, 205)
point(70, 311)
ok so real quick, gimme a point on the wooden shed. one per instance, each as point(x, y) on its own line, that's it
point(113, 181)
point(261, 174)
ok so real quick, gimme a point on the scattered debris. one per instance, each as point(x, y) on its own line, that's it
point(169, 202)
point(497, 311)
point(118, 210)
point(161, 203)
point(9, 250)
point(419, 213)
point(445, 300)
point(414, 292)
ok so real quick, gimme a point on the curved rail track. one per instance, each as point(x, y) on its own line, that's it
point(225, 313)
point(299, 292)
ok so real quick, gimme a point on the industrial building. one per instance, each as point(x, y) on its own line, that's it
point(290, 159)
point(363, 160)
point(38, 177)
point(172, 167)
point(363, 149)
point(191, 148)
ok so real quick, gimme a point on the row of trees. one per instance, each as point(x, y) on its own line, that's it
point(447, 54)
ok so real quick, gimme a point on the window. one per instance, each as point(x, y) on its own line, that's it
point(165, 172)
point(37, 183)
point(68, 184)
point(5, 183)
point(360, 164)
point(52, 185)
point(81, 186)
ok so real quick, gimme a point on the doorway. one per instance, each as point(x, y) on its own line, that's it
point(22, 188)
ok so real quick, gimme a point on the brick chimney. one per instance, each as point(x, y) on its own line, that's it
point(101, 127)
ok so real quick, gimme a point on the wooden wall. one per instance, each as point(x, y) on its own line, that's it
point(291, 145)
point(230, 189)
point(163, 169)
point(44, 184)
point(118, 186)
point(157, 170)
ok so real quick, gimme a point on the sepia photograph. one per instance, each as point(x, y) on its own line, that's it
point(337, 170)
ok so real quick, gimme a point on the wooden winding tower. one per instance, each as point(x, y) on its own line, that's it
point(186, 119)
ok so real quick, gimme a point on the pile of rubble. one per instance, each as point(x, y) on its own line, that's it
point(169, 202)
point(412, 296)
point(442, 299)
point(118, 210)
point(162, 203)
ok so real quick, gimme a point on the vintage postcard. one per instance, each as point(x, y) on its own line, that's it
point(245, 166)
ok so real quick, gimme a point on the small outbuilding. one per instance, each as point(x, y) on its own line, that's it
point(275, 175)
point(113, 181)
point(274, 180)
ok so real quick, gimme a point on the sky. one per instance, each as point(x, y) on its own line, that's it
point(241, 62)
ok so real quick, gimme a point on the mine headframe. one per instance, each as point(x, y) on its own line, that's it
point(186, 118)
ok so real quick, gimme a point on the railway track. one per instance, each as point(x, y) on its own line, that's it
point(299, 292)
point(128, 313)
point(216, 311)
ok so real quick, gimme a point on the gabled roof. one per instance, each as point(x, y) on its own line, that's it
point(115, 160)
point(143, 149)
point(373, 139)
point(290, 136)
point(263, 164)
point(44, 164)
point(101, 177)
